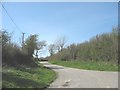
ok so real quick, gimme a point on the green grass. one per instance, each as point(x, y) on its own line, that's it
point(88, 65)
point(27, 77)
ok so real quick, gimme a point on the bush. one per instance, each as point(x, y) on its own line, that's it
point(13, 55)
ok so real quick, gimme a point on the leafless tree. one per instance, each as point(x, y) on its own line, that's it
point(73, 50)
point(60, 43)
point(51, 49)
point(40, 46)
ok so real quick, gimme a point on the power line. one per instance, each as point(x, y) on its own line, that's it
point(14, 23)
point(10, 17)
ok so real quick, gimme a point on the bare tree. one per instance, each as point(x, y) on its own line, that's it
point(60, 43)
point(73, 50)
point(40, 46)
point(51, 49)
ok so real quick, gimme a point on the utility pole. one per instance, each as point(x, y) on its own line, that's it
point(23, 39)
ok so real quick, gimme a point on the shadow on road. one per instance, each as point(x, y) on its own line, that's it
point(50, 66)
point(53, 67)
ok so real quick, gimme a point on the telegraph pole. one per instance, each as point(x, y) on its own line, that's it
point(23, 39)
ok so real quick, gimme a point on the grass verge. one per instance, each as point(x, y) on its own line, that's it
point(19, 77)
point(88, 65)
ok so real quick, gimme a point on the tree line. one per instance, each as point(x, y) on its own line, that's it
point(14, 55)
point(103, 47)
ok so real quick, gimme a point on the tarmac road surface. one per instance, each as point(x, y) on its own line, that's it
point(79, 78)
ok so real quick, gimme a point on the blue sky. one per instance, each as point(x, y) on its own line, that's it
point(77, 21)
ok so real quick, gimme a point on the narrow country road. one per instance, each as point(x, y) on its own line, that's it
point(78, 78)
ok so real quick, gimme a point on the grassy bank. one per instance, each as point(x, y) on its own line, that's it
point(27, 77)
point(88, 65)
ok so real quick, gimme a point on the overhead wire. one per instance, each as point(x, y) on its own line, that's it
point(11, 18)
point(17, 28)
